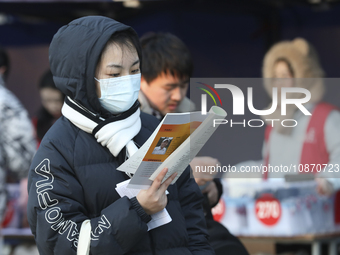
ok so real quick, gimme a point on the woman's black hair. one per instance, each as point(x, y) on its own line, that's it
point(44, 119)
point(46, 81)
point(127, 38)
point(4, 62)
point(290, 68)
point(165, 53)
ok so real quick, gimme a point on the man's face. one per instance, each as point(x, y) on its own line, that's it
point(165, 92)
point(164, 144)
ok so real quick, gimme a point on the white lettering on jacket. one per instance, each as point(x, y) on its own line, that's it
point(102, 223)
point(53, 215)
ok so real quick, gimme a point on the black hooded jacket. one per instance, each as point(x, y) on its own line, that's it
point(73, 177)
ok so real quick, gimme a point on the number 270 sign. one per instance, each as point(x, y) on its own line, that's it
point(268, 210)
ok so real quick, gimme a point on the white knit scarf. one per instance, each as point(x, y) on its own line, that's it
point(114, 135)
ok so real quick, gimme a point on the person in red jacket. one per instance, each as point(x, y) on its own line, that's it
point(315, 140)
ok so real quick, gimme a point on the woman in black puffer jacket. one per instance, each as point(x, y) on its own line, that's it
point(96, 63)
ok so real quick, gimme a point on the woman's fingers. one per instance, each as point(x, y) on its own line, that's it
point(157, 184)
point(154, 199)
point(167, 182)
point(158, 181)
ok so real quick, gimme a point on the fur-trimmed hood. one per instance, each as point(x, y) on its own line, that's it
point(304, 61)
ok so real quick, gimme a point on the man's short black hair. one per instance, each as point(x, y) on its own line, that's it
point(4, 62)
point(165, 53)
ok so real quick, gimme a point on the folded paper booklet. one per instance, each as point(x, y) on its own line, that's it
point(174, 143)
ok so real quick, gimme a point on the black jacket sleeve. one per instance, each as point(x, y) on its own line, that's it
point(219, 187)
point(56, 209)
point(190, 197)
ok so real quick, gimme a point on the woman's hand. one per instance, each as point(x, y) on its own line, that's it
point(154, 199)
point(202, 177)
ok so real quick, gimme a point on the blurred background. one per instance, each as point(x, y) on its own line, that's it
point(226, 39)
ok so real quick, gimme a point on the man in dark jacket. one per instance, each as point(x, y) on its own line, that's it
point(73, 175)
point(167, 69)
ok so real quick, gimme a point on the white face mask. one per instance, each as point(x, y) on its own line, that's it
point(119, 94)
